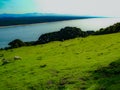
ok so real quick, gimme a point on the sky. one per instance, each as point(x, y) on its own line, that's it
point(74, 7)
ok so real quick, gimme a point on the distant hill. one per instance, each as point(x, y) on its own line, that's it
point(30, 18)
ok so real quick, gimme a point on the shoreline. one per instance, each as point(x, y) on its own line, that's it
point(42, 22)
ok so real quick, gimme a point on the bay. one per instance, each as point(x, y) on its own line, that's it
point(31, 32)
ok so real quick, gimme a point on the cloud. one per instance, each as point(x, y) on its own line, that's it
point(81, 7)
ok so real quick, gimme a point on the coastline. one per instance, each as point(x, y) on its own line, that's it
point(46, 22)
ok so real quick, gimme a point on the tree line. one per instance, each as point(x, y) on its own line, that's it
point(111, 29)
point(64, 34)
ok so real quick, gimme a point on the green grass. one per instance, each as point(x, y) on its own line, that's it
point(76, 64)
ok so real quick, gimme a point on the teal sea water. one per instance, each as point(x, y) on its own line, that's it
point(33, 31)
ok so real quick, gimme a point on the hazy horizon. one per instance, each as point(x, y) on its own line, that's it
point(73, 7)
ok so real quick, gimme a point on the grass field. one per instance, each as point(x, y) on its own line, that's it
point(91, 63)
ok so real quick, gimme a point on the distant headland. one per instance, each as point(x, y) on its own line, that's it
point(31, 18)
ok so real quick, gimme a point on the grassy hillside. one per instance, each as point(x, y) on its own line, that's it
point(91, 63)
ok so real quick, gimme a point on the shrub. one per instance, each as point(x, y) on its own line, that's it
point(16, 43)
point(111, 29)
point(64, 34)
point(71, 32)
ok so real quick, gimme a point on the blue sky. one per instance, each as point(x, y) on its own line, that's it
point(78, 7)
point(17, 6)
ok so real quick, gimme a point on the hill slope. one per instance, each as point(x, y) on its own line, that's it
point(31, 18)
point(90, 63)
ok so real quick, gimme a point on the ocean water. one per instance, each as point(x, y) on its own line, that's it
point(32, 32)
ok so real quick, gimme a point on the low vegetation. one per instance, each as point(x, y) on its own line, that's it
point(91, 63)
point(111, 29)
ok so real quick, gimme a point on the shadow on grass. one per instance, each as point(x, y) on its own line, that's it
point(107, 78)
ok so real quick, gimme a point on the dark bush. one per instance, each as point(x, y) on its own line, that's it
point(90, 32)
point(16, 43)
point(64, 34)
point(45, 38)
point(1, 49)
point(71, 32)
point(111, 29)
point(29, 43)
point(6, 48)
